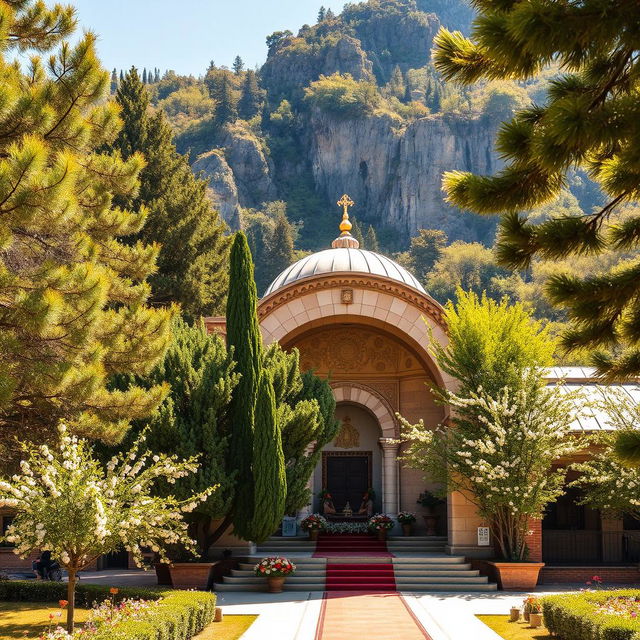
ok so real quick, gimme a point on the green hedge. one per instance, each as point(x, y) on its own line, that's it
point(181, 615)
point(573, 617)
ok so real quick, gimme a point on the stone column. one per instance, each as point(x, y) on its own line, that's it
point(389, 475)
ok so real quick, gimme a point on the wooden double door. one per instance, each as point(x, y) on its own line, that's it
point(347, 477)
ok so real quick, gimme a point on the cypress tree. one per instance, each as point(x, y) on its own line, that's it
point(321, 14)
point(371, 241)
point(356, 232)
point(114, 81)
point(222, 91)
point(156, 77)
point(243, 336)
point(192, 264)
point(270, 488)
point(144, 76)
point(591, 120)
point(251, 97)
point(121, 75)
point(73, 311)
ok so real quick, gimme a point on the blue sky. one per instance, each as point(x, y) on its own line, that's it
point(185, 35)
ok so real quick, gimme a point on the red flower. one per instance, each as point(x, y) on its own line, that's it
point(63, 603)
point(113, 591)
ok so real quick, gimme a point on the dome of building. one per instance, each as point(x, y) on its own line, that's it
point(344, 256)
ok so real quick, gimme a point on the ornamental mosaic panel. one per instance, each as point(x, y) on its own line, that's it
point(351, 350)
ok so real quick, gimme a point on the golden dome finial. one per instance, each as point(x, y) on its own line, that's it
point(345, 202)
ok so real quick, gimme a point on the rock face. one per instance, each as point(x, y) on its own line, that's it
point(393, 170)
point(222, 189)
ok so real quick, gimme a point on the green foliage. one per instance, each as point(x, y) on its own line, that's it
point(181, 615)
point(425, 250)
point(74, 295)
point(588, 121)
point(466, 265)
point(243, 336)
point(270, 489)
point(573, 616)
point(491, 343)
point(193, 420)
point(251, 98)
point(186, 105)
point(223, 91)
point(192, 263)
point(341, 95)
point(371, 240)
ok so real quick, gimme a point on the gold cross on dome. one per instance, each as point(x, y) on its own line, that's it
point(345, 202)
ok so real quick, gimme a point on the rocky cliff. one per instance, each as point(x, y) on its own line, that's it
point(393, 170)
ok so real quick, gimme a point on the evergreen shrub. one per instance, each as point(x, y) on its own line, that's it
point(180, 615)
point(575, 616)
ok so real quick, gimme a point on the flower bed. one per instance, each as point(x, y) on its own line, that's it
point(594, 615)
point(313, 522)
point(177, 615)
point(347, 527)
point(274, 567)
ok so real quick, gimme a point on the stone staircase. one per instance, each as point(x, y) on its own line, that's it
point(420, 564)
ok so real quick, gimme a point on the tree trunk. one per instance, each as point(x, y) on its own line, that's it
point(71, 597)
point(215, 535)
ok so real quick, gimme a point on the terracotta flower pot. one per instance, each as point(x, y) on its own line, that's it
point(382, 535)
point(517, 576)
point(514, 614)
point(274, 585)
point(535, 620)
point(313, 534)
point(526, 615)
point(430, 523)
point(407, 529)
point(190, 575)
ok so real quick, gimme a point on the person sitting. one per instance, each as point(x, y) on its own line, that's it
point(43, 564)
point(328, 506)
point(366, 506)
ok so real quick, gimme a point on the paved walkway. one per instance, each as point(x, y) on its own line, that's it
point(295, 615)
point(346, 615)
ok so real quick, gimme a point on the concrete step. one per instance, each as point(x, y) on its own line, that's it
point(448, 580)
point(436, 558)
point(402, 573)
point(249, 579)
point(312, 573)
point(446, 586)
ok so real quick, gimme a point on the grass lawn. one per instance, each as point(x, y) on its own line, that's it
point(231, 628)
point(514, 630)
point(20, 619)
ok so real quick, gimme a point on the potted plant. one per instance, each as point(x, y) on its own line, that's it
point(514, 614)
point(429, 501)
point(380, 524)
point(534, 606)
point(406, 519)
point(313, 524)
point(275, 569)
point(188, 570)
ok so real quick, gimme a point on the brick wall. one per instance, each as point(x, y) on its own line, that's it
point(534, 540)
point(609, 575)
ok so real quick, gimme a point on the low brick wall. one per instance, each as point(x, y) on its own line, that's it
point(609, 575)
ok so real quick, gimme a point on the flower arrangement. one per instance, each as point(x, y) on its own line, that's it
point(274, 567)
point(347, 527)
point(380, 522)
point(314, 522)
point(323, 494)
point(531, 604)
point(406, 517)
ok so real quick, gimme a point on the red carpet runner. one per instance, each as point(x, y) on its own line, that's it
point(360, 577)
point(341, 545)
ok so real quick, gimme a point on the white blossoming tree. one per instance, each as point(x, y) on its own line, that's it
point(68, 504)
point(507, 426)
point(610, 479)
point(499, 452)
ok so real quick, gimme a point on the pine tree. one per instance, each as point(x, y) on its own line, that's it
point(396, 85)
point(329, 15)
point(270, 488)
point(251, 98)
point(121, 76)
point(321, 14)
point(144, 76)
point(156, 76)
point(73, 309)
point(243, 336)
point(591, 120)
point(222, 91)
point(425, 250)
point(238, 65)
point(280, 253)
point(192, 264)
point(114, 81)
point(371, 241)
